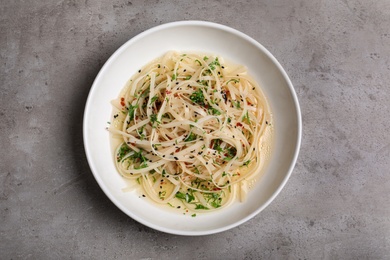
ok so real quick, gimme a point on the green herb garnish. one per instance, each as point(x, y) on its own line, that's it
point(214, 111)
point(214, 63)
point(153, 99)
point(197, 97)
point(246, 117)
point(132, 111)
point(190, 137)
point(236, 104)
point(122, 152)
point(246, 163)
point(200, 206)
point(153, 119)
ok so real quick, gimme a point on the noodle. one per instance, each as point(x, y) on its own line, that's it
point(191, 130)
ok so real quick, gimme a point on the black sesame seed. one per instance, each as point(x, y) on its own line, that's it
point(139, 71)
point(176, 158)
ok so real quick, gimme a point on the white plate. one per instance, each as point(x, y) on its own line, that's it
point(205, 37)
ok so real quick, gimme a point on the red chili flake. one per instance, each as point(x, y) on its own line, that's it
point(177, 150)
point(216, 188)
point(167, 92)
point(238, 124)
point(122, 103)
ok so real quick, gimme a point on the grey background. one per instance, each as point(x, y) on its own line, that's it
point(336, 203)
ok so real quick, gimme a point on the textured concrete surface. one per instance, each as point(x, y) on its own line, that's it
point(337, 202)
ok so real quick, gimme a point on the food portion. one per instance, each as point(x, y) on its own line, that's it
point(191, 128)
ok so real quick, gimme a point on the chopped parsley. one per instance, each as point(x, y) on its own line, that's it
point(187, 197)
point(153, 119)
point(246, 117)
point(132, 111)
point(217, 145)
point(246, 163)
point(122, 152)
point(236, 104)
point(141, 132)
point(214, 63)
point(153, 99)
point(214, 199)
point(197, 97)
point(190, 137)
point(214, 111)
point(138, 157)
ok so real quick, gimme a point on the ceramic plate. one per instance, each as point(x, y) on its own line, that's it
point(204, 37)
